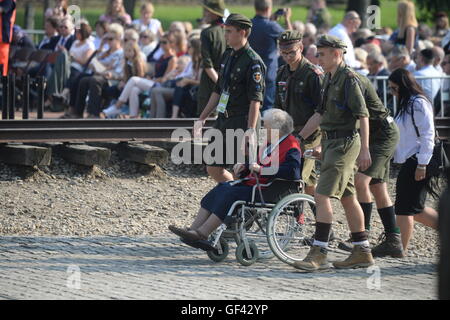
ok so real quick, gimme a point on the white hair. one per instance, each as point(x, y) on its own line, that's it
point(310, 29)
point(279, 120)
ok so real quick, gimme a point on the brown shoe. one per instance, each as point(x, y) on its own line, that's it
point(315, 260)
point(390, 245)
point(361, 257)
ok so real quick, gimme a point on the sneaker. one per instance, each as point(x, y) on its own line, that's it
point(361, 257)
point(315, 260)
point(390, 245)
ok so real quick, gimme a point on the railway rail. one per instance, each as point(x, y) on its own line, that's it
point(90, 130)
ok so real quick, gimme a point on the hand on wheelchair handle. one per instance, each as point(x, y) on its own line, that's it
point(254, 167)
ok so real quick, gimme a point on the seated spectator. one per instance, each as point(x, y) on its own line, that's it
point(59, 11)
point(184, 99)
point(179, 42)
point(101, 29)
point(137, 85)
point(134, 66)
point(377, 65)
point(107, 69)
point(51, 28)
point(147, 22)
point(216, 204)
point(20, 40)
point(147, 42)
point(361, 57)
point(177, 26)
point(442, 25)
point(308, 40)
point(311, 54)
point(400, 58)
point(299, 26)
point(188, 27)
point(425, 68)
point(66, 36)
point(80, 53)
point(131, 35)
point(371, 48)
point(115, 13)
point(310, 29)
point(438, 54)
point(161, 94)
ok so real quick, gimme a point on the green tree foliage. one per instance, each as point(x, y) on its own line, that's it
point(430, 7)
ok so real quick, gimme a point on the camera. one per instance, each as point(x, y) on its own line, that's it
point(280, 12)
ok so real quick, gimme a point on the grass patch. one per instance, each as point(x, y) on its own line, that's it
point(166, 14)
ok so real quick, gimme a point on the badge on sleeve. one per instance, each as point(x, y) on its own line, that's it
point(257, 77)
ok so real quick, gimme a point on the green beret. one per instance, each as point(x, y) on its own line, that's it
point(289, 37)
point(331, 42)
point(215, 6)
point(238, 20)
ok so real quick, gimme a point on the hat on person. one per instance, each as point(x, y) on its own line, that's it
point(238, 20)
point(215, 6)
point(289, 38)
point(331, 42)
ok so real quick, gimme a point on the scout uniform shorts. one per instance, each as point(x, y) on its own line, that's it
point(382, 145)
point(309, 173)
point(338, 167)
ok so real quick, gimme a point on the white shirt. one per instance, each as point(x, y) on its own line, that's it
point(430, 86)
point(341, 32)
point(410, 144)
point(153, 26)
point(79, 52)
point(411, 67)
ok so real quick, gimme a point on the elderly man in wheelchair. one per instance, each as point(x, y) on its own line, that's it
point(233, 204)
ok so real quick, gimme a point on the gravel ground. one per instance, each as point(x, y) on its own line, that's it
point(127, 199)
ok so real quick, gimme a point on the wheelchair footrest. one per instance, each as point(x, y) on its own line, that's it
point(204, 245)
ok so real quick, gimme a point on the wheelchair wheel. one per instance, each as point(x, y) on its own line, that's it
point(243, 257)
point(215, 255)
point(290, 227)
point(256, 232)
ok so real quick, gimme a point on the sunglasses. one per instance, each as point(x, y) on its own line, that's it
point(290, 53)
point(164, 42)
point(145, 37)
point(110, 39)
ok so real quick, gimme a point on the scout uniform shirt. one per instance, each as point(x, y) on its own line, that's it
point(242, 76)
point(342, 101)
point(298, 92)
point(213, 45)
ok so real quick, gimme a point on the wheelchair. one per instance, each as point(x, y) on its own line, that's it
point(277, 221)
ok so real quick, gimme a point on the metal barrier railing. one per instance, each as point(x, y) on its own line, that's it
point(9, 95)
point(391, 102)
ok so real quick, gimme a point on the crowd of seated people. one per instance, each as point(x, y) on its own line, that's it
point(133, 68)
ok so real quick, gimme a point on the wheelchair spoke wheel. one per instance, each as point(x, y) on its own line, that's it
point(216, 255)
point(257, 233)
point(290, 227)
point(247, 258)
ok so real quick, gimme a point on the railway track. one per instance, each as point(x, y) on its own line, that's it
point(90, 130)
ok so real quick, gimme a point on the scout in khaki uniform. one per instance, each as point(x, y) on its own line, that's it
point(298, 86)
point(239, 91)
point(342, 148)
point(384, 136)
point(213, 45)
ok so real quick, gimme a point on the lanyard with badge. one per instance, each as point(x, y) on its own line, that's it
point(225, 96)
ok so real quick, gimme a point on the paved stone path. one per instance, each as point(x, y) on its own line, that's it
point(163, 268)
